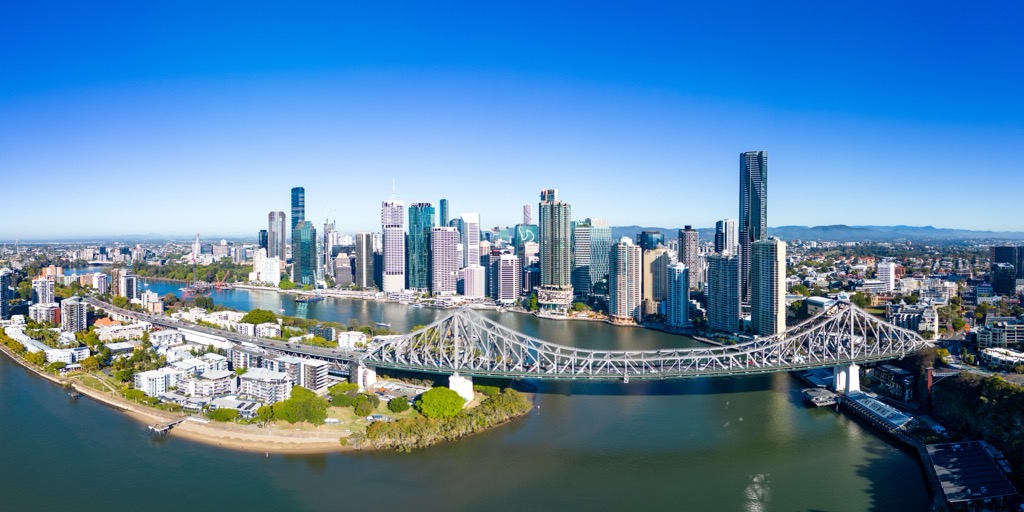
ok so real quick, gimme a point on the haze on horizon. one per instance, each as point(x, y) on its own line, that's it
point(200, 118)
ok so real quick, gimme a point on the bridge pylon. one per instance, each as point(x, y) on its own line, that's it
point(847, 378)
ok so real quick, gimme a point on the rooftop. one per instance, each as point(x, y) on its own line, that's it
point(967, 472)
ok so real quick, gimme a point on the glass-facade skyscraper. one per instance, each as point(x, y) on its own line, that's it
point(276, 236)
point(600, 245)
point(304, 253)
point(581, 259)
point(298, 206)
point(753, 209)
point(421, 221)
point(444, 213)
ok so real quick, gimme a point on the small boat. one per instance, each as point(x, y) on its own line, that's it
point(417, 305)
point(309, 298)
point(382, 323)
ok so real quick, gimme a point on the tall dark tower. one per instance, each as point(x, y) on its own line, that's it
point(444, 213)
point(298, 218)
point(753, 210)
point(298, 206)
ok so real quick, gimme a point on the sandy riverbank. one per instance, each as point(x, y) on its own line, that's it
point(229, 436)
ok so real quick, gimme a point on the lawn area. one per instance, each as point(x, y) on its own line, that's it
point(875, 311)
point(348, 418)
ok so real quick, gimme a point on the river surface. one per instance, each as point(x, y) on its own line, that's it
point(743, 444)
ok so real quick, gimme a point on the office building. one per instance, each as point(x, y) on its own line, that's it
point(650, 239)
point(421, 222)
point(655, 279)
point(363, 270)
point(689, 255)
point(470, 239)
point(600, 246)
point(581, 259)
point(886, 273)
point(276, 236)
point(73, 315)
point(343, 270)
point(474, 281)
point(443, 221)
point(725, 237)
point(298, 206)
point(1003, 277)
point(262, 239)
point(677, 302)
point(42, 290)
point(753, 209)
point(392, 216)
point(1004, 254)
point(527, 214)
point(325, 257)
point(6, 292)
point(723, 292)
point(555, 292)
point(508, 279)
point(624, 282)
point(444, 262)
point(768, 286)
point(304, 254)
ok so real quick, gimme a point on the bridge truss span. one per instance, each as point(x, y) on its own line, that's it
point(471, 344)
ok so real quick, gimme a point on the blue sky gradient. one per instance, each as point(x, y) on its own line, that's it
point(179, 118)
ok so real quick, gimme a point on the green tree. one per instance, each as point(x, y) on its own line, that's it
point(204, 302)
point(223, 415)
point(532, 303)
point(259, 316)
point(264, 415)
point(799, 289)
point(90, 364)
point(400, 404)
point(134, 394)
point(440, 402)
point(25, 289)
point(860, 300)
point(121, 302)
point(363, 408)
point(36, 358)
point(286, 284)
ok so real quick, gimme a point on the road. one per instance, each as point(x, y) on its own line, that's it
point(264, 343)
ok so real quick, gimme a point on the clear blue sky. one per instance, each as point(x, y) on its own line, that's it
point(177, 117)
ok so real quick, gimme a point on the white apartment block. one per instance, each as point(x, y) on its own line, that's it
point(155, 382)
point(264, 385)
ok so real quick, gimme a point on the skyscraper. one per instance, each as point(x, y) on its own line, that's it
point(421, 222)
point(555, 292)
point(581, 259)
point(363, 271)
point(725, 236)
point(325, 258)
point(527, 214)
point(444, 263)
point(304, 249)
point(624, 282)
point(298, 206)
point(6, 280)
point(768, 286)
point(392, 215)
point(73, 315)
point(886, 272)
point(470, 239)
point(689, 255)
point(723, 292)
point(262, 239)
point(444, 213)
point(600, 245)
point(508, 279)
point(650, 239)
point(42, 290)
point(276, 236)
point(753, 209)
point(677, 304)
point(655, 278)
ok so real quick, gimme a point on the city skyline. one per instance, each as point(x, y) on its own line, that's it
point(347, 99)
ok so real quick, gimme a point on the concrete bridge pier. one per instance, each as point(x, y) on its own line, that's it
point(847, 378)
point(365, 377)
point(461, 385)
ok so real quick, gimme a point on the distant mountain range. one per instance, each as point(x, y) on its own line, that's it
point(844, 233)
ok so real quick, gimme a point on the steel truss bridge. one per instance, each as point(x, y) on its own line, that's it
point(472, 345)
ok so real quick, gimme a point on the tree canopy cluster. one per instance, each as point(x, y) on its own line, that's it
point(989, 408)
point(418, 432)
point(259, 316)
point(302, 405)
point(440, 402)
